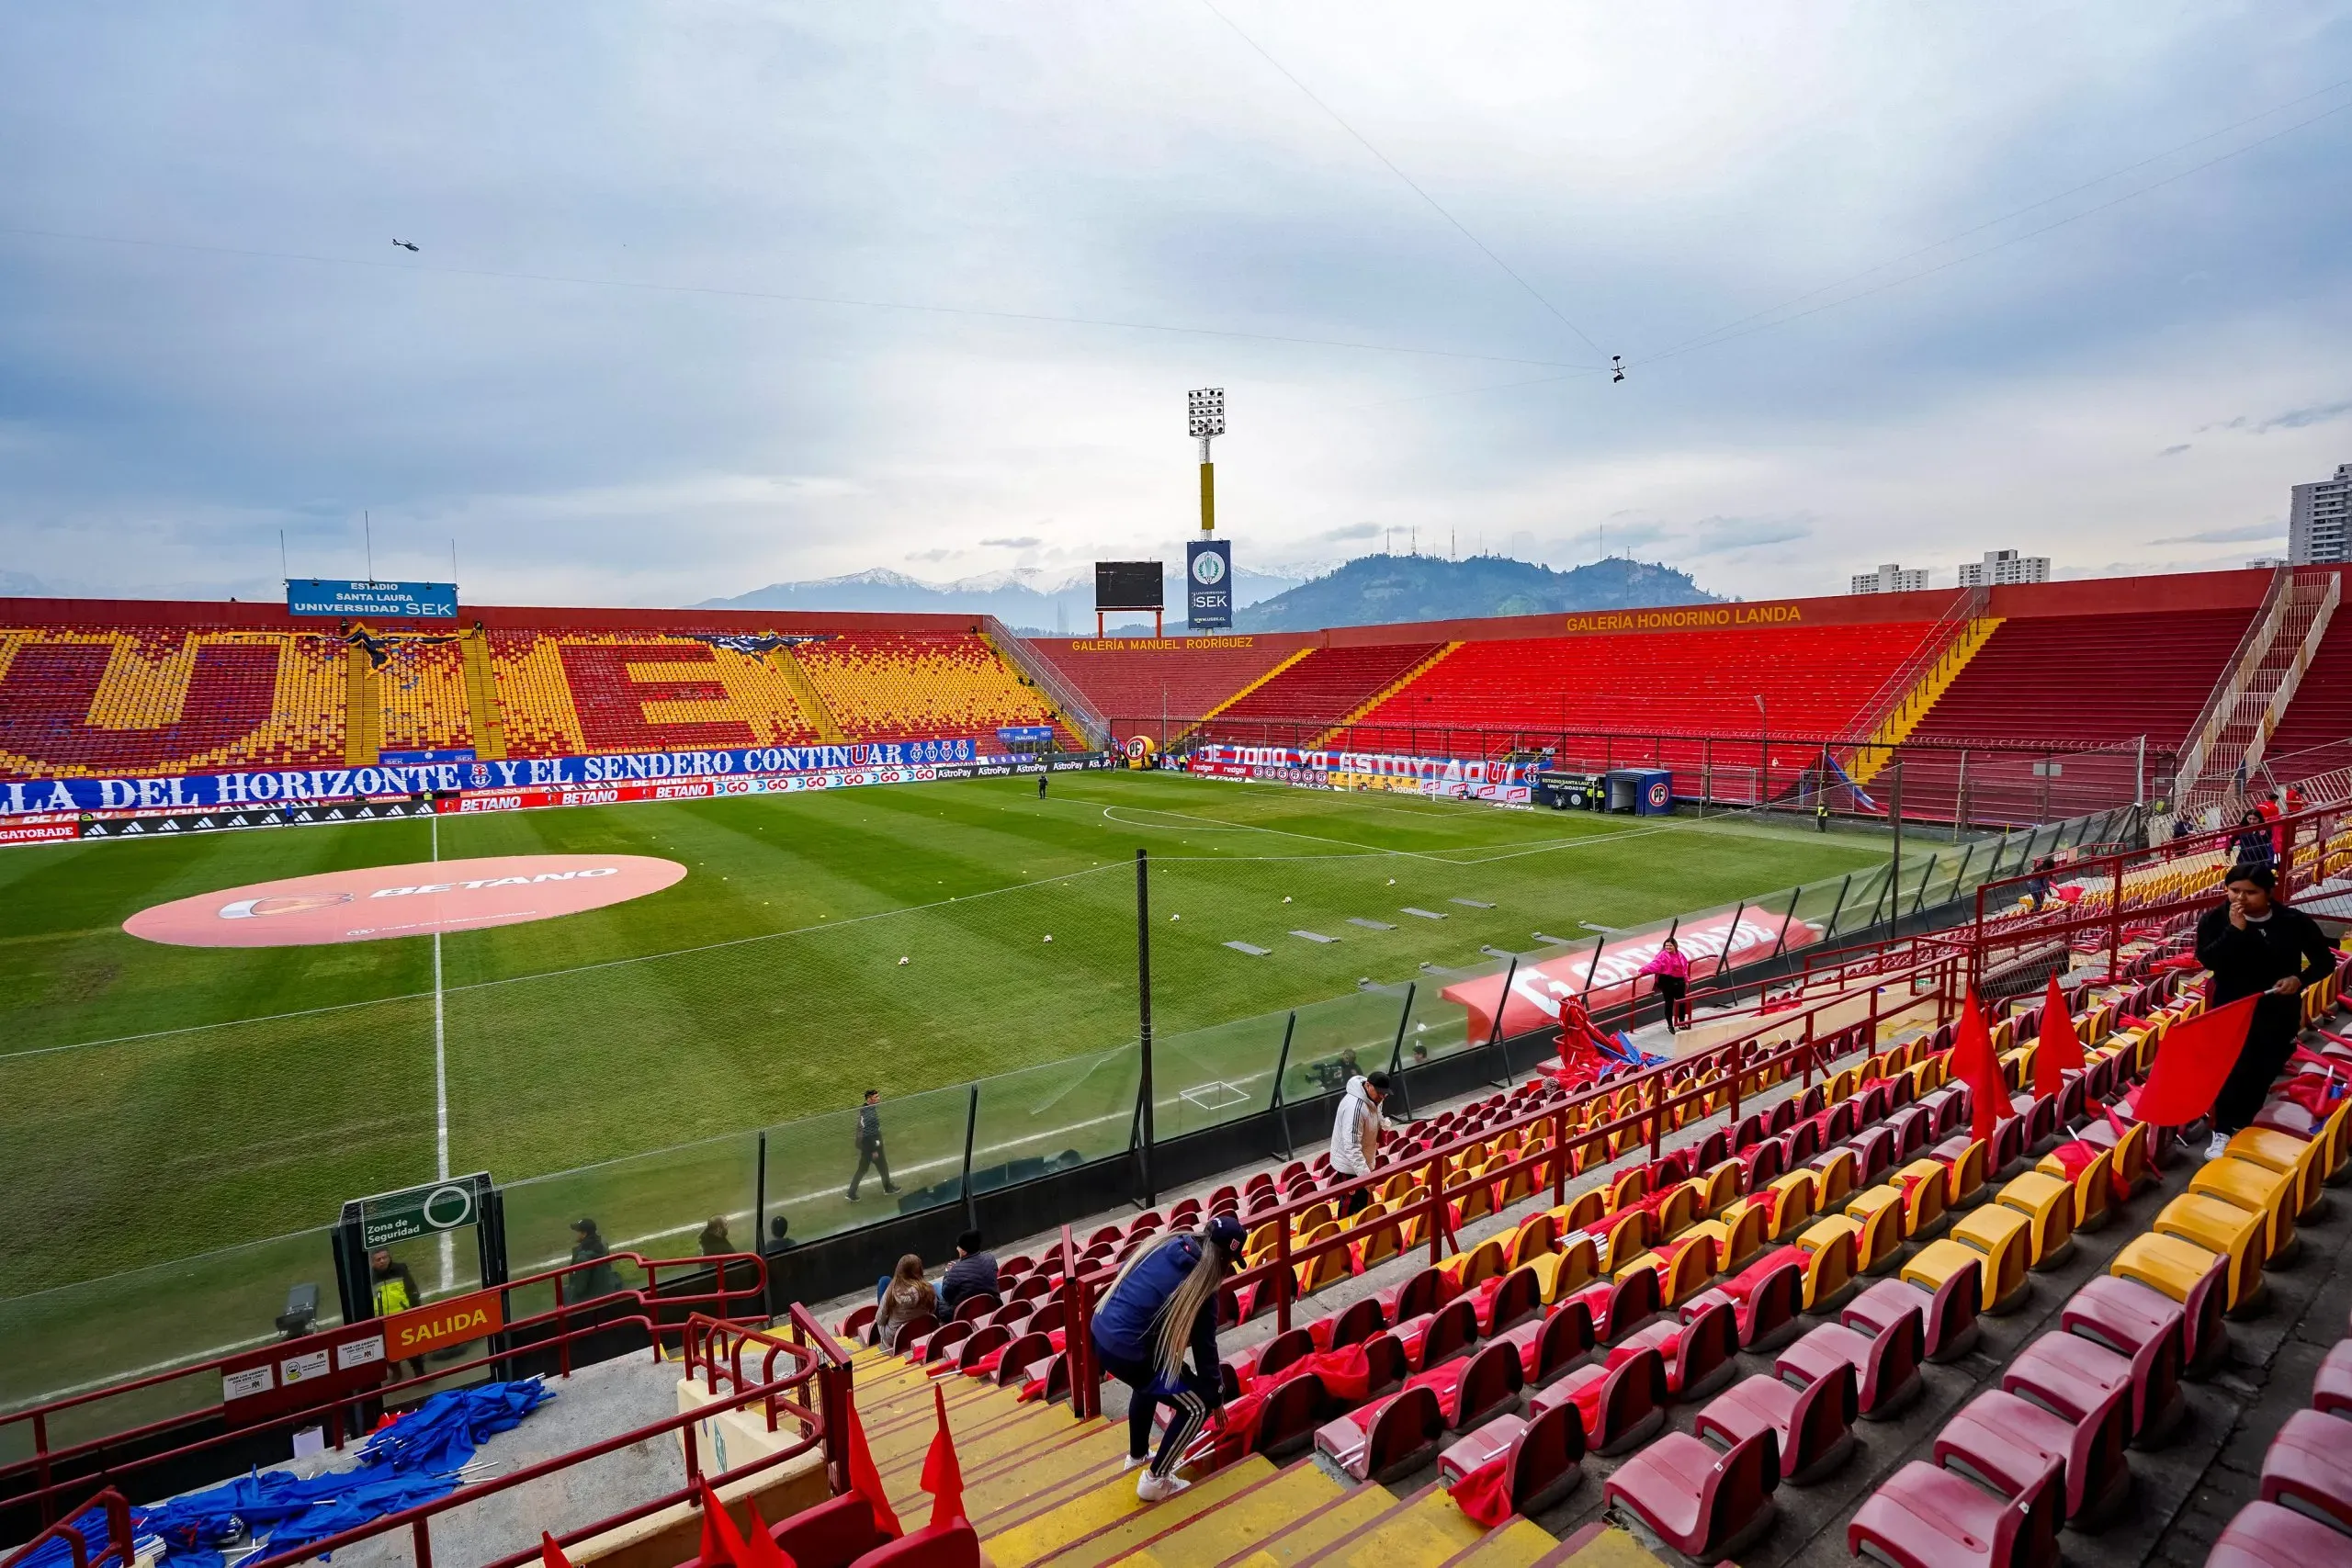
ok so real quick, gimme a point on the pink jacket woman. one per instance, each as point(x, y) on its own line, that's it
point(1669, 963)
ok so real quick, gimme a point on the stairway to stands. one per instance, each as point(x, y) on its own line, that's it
point(2321, 714)
point(2069, 678)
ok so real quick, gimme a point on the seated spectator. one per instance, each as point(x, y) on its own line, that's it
point(906, 1296)
point(972, 1274)
point(780, 1234)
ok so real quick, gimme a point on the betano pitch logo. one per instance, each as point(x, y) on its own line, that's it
point(379, 902)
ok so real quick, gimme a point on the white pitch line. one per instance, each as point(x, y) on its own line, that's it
point(441, 1085)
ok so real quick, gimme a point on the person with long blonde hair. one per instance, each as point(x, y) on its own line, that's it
point(1161, 1308)
point(906, 1296)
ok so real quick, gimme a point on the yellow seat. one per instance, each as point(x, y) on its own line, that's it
point(1965, 1175)
point(2216, 1226)
point(1580, 1212)
point(1630, 1188)
point(1737, 1233)
point(2003, 1239)
point(1479, 1265)
point(2289, 1156)
point(1718, 1187)
point(1828, 1248)
point(1627, 1236)
point(1472, 1199)
point(1566, 1270)
point(1833, 1179)
point(2272, 1193)
point(1879, 1211)
point(2093, 1207)
point(1537, 1234)
point(1924, 1185)
point(2164, 1263)
point(1675, 1211)
point(1329, 1268)
point(1382, 1239)
point(2048, 1202)
point(1791, 1203)
point(1684, 1271)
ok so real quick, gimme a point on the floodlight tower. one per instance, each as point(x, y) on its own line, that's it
point(1204, 410)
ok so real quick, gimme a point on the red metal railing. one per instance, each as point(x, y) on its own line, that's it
point(562, 1319)
point(817, 1358)
point(119, 1549)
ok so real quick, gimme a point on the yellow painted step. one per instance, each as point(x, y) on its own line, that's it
point(1109, 1521)
point(1045, 1477)
point(1260, 1515)
point(1425, 1533)
point(1515, 1543)
point(1609, 1548)
point(985, 1456)
point(982, 1434)
point(1318, 1530)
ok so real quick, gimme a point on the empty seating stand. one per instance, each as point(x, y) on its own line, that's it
point(1307, 698)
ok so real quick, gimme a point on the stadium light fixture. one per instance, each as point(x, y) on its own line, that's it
point(1204, 417)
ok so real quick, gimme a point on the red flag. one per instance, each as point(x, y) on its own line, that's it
point(722, 1542)
point(864, 1478)
point(764, 1552)
point(550, 1554)
point(943, 1477)
point(2061, 1049)
point(2191, 1064)
point(1974, 1064)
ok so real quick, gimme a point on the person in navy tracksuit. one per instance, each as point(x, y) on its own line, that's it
point(1162, 1306)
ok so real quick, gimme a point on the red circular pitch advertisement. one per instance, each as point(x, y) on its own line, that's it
point(381, 901)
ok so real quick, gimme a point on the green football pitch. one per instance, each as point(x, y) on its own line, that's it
point(158, 1101)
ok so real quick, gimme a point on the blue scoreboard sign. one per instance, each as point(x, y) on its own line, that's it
point(373, 600)
point(1208, 583)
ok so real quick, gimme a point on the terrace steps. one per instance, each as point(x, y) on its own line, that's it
point(1398, 685)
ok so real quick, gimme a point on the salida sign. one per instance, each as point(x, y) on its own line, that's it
point(421, 1330)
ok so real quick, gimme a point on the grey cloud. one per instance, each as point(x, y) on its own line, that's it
point(1352, 531)
point(1749, 532)
point(2244, 531)
point(2173, 451)
point(1021, 542)
point(2295, 419)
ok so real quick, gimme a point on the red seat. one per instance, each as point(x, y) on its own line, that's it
point(1287, 1423)
point(942, 1340)
point(1544, 1454)
point(2069, 1372)
point(1812, 1425)
point(1420, 1294)
point(1452, 1329)
point(1619, 1308)
point(1703, 1504)
point(1550, 1345)
point(2007, 1443)
point(942, 1546)
point(2264, 1535)
point(833, 1534)
point(2123, 1315)
point(1024, 1351)
point(1517, 1297)
point(1768, 1297)
point(1283, 1350)
point(1699, 1354)
point(1886, 1365)
point(1358, 1323)
point(1387, 1438)
point(2332, 1388)
point(979, 1343)
point(2309, 1467)
point(1924, 1518)
point(1619, 1407)
point(1948, 1318)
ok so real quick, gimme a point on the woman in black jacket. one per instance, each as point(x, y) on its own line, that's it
point(2257, 946)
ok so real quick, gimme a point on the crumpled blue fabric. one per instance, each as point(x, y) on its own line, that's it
point(414, 1461)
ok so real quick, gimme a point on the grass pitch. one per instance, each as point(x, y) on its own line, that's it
point(159, 1102)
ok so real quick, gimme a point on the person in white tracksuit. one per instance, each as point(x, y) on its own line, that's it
point(1356, 1130)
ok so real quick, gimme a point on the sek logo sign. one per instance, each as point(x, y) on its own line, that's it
point(453, 1322)
point(1208, 563)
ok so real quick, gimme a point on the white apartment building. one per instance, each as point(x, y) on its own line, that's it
point(1890, 579)
point(2000, 568)
point(2320, 520)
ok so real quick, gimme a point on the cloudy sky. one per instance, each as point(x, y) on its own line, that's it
point(713, 293)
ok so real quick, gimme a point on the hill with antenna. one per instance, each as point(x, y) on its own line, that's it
point(1384, 590)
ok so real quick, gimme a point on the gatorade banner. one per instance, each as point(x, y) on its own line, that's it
point(1538, 989)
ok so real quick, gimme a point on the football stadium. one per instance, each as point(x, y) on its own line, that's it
point(1508, 1056)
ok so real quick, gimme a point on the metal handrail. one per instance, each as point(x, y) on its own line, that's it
point(44, 1461)
point(120, 1548)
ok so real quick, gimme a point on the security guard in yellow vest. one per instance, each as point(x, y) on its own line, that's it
point(396, 1291)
